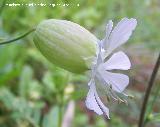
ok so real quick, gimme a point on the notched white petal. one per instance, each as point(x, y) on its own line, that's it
point(120, 34)
point(118, 60)
point(91, 82)
point(94, 103)
point(91, 102)
point(104, 109)
point(117, 81)
point(109, 26)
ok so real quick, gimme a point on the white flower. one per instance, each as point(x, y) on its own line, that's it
point(113, 82)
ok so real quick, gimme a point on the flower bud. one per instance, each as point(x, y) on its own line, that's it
point(66, 44)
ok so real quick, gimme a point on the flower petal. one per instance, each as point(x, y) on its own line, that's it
point(118, 60)
point(91, 102)
point(118, 81)
point(91, 82)
point(120, 34)
point(109, 28)
point(94, 103)
point(108, 31)
point(104, 109)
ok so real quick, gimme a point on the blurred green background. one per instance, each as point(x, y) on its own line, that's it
point(35, 93)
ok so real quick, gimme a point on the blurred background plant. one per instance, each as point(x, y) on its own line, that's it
point(35, 93)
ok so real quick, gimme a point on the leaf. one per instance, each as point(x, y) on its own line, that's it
point(7, 98)
point(154, 117)
point(51, 119)
point(25, 79)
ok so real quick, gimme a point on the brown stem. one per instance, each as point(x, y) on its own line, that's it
point(148, 92)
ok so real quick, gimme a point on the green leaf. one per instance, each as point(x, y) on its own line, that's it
point(51, 119)
point(25, 79)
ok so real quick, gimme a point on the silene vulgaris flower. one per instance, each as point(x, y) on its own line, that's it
point(106, 61)
point(72, 47)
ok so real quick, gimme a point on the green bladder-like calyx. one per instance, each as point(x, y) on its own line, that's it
point(66, 44)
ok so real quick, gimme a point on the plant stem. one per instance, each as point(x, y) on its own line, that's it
point(61, 98)
point(2, 6)
point(18, 38)
point(60, 116)
point(148, 92)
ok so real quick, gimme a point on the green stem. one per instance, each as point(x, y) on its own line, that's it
point(17, 38)
point(2, 6)
point(148, 92)
point(61, 103)
point(60, 116)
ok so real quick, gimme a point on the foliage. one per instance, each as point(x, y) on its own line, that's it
point(33, 91)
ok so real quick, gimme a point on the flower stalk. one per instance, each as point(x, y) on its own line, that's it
point(148, 92)
point(60, 116)
point(17, 38)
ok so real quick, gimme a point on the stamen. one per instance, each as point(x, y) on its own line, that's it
point(108, 98)
point(111, 93)
point(128, 96)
